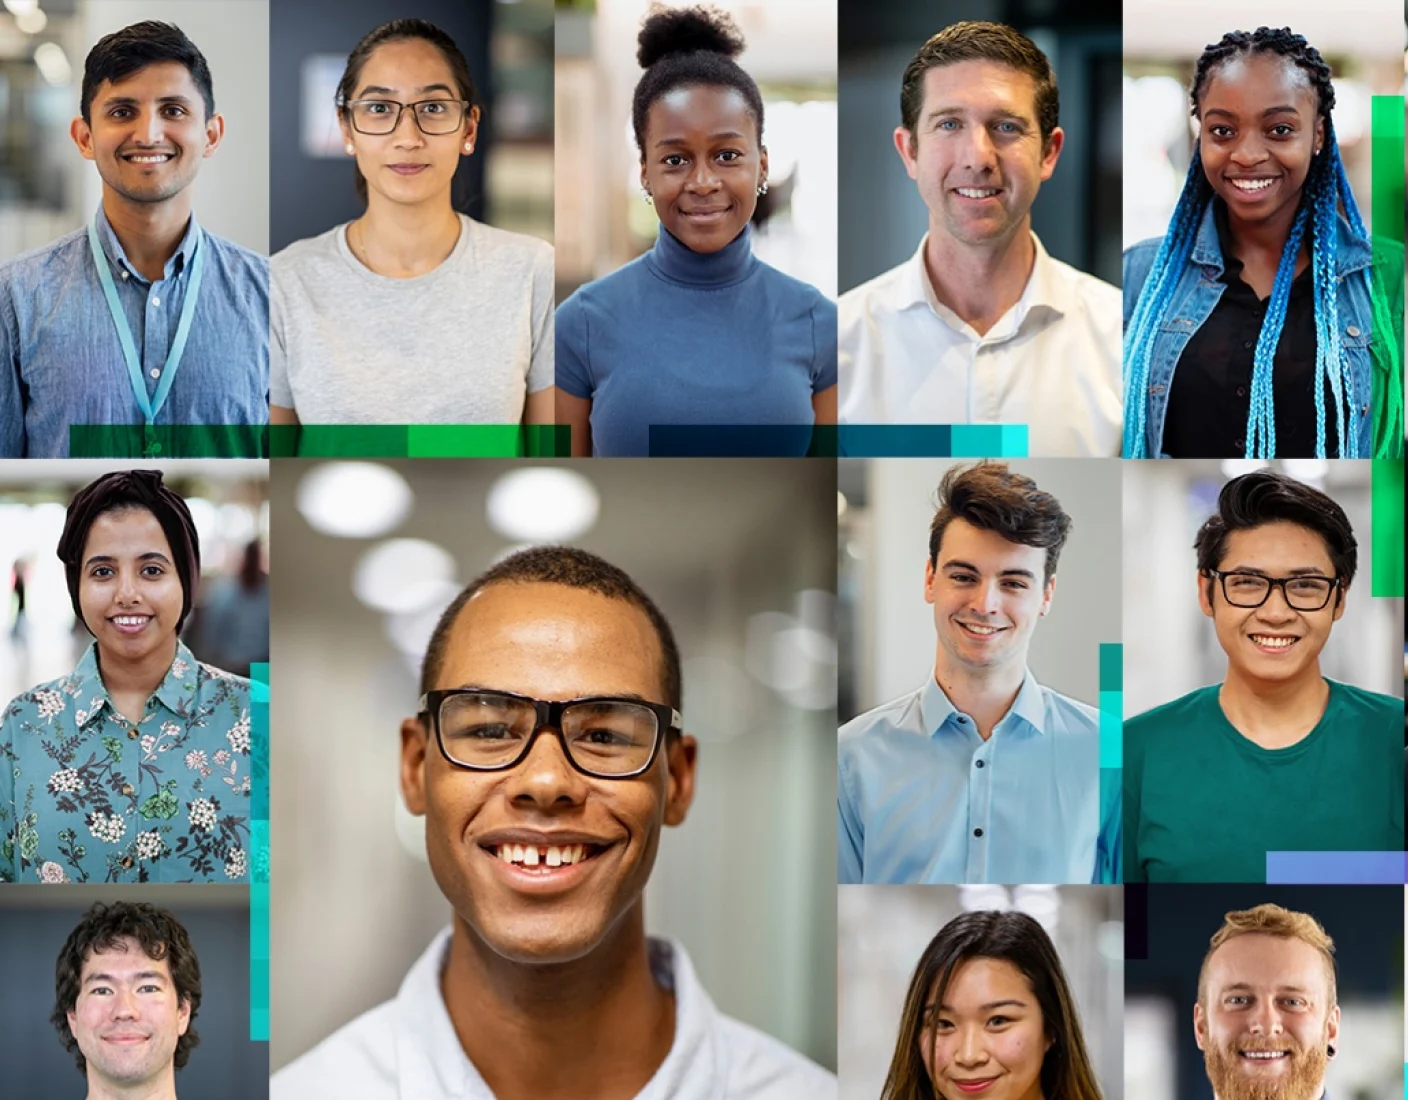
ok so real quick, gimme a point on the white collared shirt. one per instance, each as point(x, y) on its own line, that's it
point(1051, 362)
point(406, 1049)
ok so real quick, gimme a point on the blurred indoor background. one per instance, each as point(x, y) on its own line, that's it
point(1161, 1058)
point(1170, 646)
point(602, 218)
point(508, 44)
point(886, 630)
point(228, 627)
point(737, 555)
point(36, 920)
point(885, 929)
point(1077, 213)
point(1361, 40)
point(47, 189)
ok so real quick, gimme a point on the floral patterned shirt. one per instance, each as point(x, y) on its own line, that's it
point(86, 796)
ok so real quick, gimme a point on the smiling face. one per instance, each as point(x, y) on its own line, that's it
point(1273, 642)
point(1264, 1019)
point(977, 152)
point(127, 1017)
point(550, 642)
point(1260, 130)
point(702, 164)
point(988, 595)
point(988, 1037)
point(128, 586)
point(148, 133)
point(407, 166)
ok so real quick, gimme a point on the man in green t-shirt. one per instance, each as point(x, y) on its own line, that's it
point(1276, 757)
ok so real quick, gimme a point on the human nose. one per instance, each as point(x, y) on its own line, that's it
point(979, 150)
point(985, 597)
point(151, 128)
point(970, 1050)
point(704, 176)
point(124, 1005)
point(407, 129)
point(126, 587)
point(1249, 151)
point(545, 776)
point(1276, 608)
point(1266, 1019)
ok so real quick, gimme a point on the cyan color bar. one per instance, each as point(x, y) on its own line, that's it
point(1337, 868)
point(259, 855)
point(1111, 705)
point(930, 441)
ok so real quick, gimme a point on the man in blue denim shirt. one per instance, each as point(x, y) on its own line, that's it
point(94, 327)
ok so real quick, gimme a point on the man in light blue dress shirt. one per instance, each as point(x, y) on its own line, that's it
point(141, 318)
point(982, 775)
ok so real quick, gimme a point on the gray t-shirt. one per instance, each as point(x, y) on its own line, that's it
point(461, 344)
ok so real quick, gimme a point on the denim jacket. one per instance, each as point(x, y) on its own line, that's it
point(1197, 294)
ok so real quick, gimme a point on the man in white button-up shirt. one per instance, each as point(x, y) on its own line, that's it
point(547, 755)
point(981, 325)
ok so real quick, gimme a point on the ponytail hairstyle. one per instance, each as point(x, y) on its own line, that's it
point(1325, 193)
point(689, 47)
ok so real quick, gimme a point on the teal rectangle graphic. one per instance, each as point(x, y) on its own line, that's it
point(259, 855)
point(1111, 705)
point(925, 441)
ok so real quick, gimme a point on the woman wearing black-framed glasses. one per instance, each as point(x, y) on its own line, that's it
point(413, 313)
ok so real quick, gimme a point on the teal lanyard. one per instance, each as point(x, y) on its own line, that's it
point(150, 407)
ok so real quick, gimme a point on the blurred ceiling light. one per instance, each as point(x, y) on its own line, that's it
point(52, 63)
point(32, 21)
point(542, 504)
point(20, 7)
point(816, 609)
point(841, 504)
point(975, 898)
point(1110, 939)
point(402, 575)
point(1306, 469)
point(1236, 467)
point(354, 500)
point(206, 519)
point(236, 524)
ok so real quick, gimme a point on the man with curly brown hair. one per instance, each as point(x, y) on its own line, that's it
point(126, 992)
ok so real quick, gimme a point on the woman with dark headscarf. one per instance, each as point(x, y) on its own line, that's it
point(134, 767)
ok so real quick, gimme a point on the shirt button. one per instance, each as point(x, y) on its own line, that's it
point(962, 720)
point(1352, 330)
point(1248, 344)
point(982, 763)
point(124, 274)
point(977, 832)
point(1241, 391)
point(155, 373)
point(157, 302)
point(1239, 444)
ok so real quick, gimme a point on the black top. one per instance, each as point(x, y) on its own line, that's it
point(1210, 395)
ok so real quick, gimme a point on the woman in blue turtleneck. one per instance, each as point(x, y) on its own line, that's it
point(698, 331)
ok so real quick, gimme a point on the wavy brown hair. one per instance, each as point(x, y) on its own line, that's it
point(1016, 938)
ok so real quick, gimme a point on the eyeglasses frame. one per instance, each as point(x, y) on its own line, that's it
point(348, 104)
point(549, 717)
point(1273, 583)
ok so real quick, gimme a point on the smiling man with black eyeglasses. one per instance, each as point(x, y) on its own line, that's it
point(547, 754)
point(1276, 757)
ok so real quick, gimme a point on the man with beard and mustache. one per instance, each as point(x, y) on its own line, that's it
point(1267, 1019)
point(94, 327)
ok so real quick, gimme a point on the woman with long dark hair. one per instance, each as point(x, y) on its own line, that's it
point(1264, 324)
point(989, 1013)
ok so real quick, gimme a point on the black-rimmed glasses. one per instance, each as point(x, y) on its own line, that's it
point(1307, 593)
point(382, 116)
point(603, 736)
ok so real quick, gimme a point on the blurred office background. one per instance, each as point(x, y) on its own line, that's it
point(602, 218)
point(47, 189)
point(228, 626)
point(1077, 213)
point(508, 44)
point(886, 630)
point(885, 929)
point(737, 555)
point(1170, 646)
point(1161, 1057)
point(36, 920)
point(1361, 40)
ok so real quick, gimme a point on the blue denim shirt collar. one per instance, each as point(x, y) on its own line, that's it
point(117, 256)
point(176, 692)
point(1353, 252)
point(935, 707)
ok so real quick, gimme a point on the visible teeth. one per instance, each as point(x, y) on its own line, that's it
point(1264, 1054)
point(129, 620)
point(547, 856)
point(554, 858)
point(1272, 642)
point(977, 192)
point(980, 629)
point(1251, 185)
point(530, 857)
point(156, 159)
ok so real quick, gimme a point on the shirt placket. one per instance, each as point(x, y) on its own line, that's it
point(979, 808)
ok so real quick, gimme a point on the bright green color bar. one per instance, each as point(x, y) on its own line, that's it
point(1386, 527)
point(259, 854)
point(167, 441)
point(420, 441)
point(1386, 234)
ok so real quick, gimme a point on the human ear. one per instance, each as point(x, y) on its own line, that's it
point(908, 148)
point(82, 135)
point(415, 740)
point(680, 761)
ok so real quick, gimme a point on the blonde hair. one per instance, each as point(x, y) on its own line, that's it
point(1271, 920)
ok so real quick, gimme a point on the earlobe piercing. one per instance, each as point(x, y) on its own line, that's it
point(763, 188)
point(469, 146)
point(350, 148)
point(649, 198)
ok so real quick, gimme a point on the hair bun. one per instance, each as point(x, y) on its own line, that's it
point(669, 31)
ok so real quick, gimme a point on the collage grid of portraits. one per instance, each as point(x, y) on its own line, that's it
point(1006, 403)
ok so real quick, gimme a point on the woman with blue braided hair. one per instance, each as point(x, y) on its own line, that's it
point(1263, 324)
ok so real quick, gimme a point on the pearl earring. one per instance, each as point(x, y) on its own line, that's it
point(649, 198)
point(469, 146)
point(763, 188)
point(351, 149)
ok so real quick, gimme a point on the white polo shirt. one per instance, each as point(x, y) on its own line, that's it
point(1051, 362)
point(406, 1049)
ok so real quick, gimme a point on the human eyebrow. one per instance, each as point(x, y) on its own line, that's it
point(140, 976)
point(373, 89)
point(971, 568)
point(625, 696)
point(108, 559)
point(435, 88)
point(1010, 1002)
point(1299, 571)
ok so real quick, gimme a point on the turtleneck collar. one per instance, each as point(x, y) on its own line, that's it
point(731, 264)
